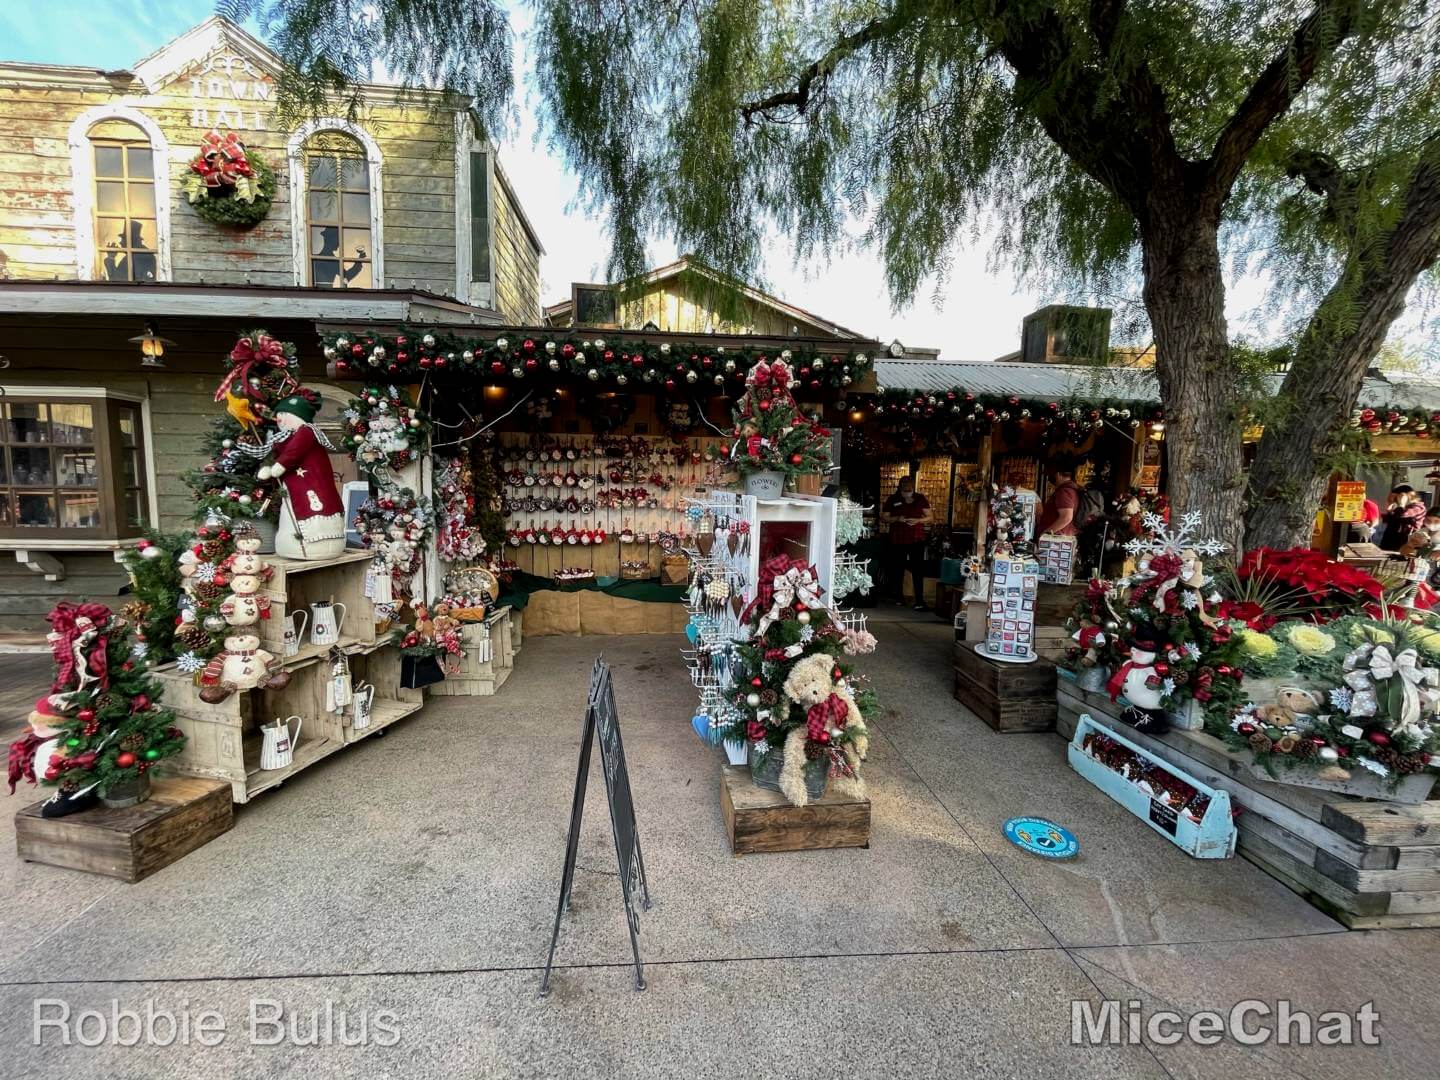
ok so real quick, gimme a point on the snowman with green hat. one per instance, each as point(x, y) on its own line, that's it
point(312, 517)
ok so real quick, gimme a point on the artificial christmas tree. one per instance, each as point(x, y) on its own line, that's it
point(773, 439)
point(803, 712)
point(100, 730)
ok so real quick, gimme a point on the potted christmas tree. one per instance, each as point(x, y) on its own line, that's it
point(798, 704)
point(100, 730)
point(773, 440)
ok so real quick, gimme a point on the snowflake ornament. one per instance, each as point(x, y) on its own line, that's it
point(1189, 600)
point(1341, 698)
point(1192, 650)
point(1374, 766)
point(1168, 686)
point(205, 571)
point(189, 662)
point(1163, 541)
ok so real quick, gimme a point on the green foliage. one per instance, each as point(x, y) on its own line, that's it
point(156, 583)
point(225, 208)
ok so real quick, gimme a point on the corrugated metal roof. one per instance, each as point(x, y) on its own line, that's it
point(1060, 381)
point(1023, 380)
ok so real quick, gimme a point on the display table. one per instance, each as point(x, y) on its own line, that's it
point(181, 814)
point(1009, 697)
point(1368, 864)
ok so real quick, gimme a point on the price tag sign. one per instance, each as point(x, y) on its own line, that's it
point(1349, 500)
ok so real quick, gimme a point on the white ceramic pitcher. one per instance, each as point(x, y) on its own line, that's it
point(362, 704)
point(293, 634)
point(278, 749)
point(325, 625)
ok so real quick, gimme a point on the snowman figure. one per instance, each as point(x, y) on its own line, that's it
point(246, 605)
point(1142, 686)
point(242, 665)
point(246, 557)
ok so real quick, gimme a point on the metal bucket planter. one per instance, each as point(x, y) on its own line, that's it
point(765, 484)
point(420, 671)
point(129, 791)
point(765, 772)
point(1093, 679)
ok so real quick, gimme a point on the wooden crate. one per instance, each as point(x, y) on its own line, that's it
point(757, 819)
point(478, 677)
point(182, 814)
point(1008, 697)
point(1367, 864)
point(296, 585)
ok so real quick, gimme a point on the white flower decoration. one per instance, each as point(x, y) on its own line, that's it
point(1374, 766)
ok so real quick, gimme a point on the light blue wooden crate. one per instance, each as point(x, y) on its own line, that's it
point(1212, 837)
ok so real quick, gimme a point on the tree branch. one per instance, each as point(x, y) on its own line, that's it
point(1276, 88)
point(814, 75)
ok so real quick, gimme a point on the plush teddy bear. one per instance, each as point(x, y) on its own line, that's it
point(1290, 702)
point(830, 712)
point(241, 665)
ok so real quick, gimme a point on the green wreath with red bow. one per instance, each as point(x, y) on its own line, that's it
point(228, 185)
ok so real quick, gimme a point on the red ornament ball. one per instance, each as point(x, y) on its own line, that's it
point(757, 681)
point(85, 715)
point(140, 702)
point(1378, 737)
point(796, 459)
point(1162, 668)
point(1246, 729)
point(125, 759)
point(765, 406)
point(497, 367)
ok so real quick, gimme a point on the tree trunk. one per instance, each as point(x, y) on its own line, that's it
point(1288, 478)
point(1185, 298)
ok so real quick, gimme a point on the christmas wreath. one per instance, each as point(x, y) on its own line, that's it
point(384, 428)
point(226, 184)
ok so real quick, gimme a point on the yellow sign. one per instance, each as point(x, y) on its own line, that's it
point(1349, 500)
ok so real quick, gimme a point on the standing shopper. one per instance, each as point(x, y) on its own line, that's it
point(1057, 516)
point(907, 513)
point(1405, 514)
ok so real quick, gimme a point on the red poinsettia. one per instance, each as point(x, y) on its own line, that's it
point(1300, 583)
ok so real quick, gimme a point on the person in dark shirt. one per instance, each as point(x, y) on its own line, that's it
point(1404, 515)
point(907, 513)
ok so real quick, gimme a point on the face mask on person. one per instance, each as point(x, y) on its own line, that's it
point(908, 496)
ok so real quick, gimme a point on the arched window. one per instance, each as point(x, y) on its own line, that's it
point(122, 201)
point(335, 175)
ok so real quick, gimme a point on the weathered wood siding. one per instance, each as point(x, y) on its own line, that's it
point(515, 262)
point(38, 206)
point(688, 304)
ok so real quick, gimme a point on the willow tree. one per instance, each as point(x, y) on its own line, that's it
point(1109, 143)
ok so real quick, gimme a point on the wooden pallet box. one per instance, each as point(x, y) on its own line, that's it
point(1367, 864)
point(182, 814)
point(757, 819)
point(487, 659)
point(1008, 697)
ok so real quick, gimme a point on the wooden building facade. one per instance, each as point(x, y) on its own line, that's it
point(400, 213)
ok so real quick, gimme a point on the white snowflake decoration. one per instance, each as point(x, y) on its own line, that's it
point(1192, 650)
point(1341, 697)
point(1162, 541)
point(1168, 686)
point(1189, 600)
point(189, 662)
point(807, 633)
point(205, 571)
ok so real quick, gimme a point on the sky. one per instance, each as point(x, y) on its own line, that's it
point(979, 311)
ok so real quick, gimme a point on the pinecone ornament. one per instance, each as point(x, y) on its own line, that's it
point(1260, 743)
point(133, 742)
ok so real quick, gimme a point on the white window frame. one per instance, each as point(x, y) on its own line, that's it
point(481, 293)
point(299, 194)
point(82, 169)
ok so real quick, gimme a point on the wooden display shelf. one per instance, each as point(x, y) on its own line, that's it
point(758, 819)
point(308, 750)
point(182, 814)
point(296, 584)
point(1368, 864)
point(476, 677)
point(1008, 697)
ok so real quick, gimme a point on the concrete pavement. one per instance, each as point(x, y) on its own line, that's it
point(416, 874)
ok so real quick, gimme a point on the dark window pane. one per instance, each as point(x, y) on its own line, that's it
point(143, 266)
point(76, 467)
point(31, 466)
point(4, 469)
point(357, 275)
point(28, 422)
point(141, 162)
point(72, 424)
point(356, 208)
point(130, 467)
point(479, 218)
point(322, 172)
point(324, 240)
point(36, 509)
point(110, 197)
point(109, 161)
point(79, 511)
point(324, 272)
point(134, 508)
point(129, 427)
point(324, 206)
point(354, 174)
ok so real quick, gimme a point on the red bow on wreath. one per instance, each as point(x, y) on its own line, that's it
point(251, 352)
point(64, 623)
point(832, 712)
point(221, 161)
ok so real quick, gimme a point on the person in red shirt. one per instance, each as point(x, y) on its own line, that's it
point(907, 512)
point(1057, 516)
